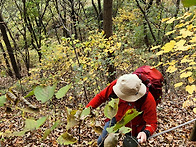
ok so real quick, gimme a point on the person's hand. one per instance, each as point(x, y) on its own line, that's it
point(142, 136)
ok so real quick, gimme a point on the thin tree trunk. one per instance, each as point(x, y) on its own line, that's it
point(107, 16)
point(9, 71)
point(9, 48)
point(107, 25)
point(193, 133)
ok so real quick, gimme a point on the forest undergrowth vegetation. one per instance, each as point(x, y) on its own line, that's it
point(70, 73)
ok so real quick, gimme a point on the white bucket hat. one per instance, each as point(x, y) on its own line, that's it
point(129, 88)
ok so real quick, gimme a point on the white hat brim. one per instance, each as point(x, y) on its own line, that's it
point(129, 98)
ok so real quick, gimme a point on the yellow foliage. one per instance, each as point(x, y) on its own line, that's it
point(185, 74)
point(178, 84)
point(171, 69)
point(169, 46)
point(190, 88)
point(180, 44)
point(193, 39)
point(191, 80)
point(194, 110)
point(187, 103)
point(185, 33)
point(171, 20)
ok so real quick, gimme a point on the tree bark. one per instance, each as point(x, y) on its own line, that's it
point(107, 25)
point(193, 133)
point(9, 48)
point(107, 18)
point(9, 71)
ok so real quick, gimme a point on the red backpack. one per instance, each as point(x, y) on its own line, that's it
point(153, 80)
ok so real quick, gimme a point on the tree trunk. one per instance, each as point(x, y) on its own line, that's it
point(9, 71)
point(107, 18)
point(193, 133)
point(107, 25)
point(9, 48)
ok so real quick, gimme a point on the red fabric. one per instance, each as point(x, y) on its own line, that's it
point(146, 121)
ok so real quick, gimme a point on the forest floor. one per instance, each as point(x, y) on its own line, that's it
point(170, 114)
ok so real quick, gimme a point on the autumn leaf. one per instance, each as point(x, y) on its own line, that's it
point(178, 84)
point(171, 69)
point(169, 46)
point(66, 139)
point(171, 20)
point(185, 33)
point(191, 80)
point(185, 74)
point(194, 110)
point(190, 88)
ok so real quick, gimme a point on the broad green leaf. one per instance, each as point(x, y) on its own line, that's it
point(111, 108)
point(190, 88)
point(40, 122)
point(189, 3)
point(44, 93)
point(30, 124)
point(21, 133)
point(85, 112)
point(185, 74)
point(66, 139)
point(2, 100)
point(129, 115)
point(61, 93)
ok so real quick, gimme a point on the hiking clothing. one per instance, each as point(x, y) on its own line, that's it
point(145, 121)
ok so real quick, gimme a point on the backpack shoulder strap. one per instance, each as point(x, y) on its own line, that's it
point(140, 102)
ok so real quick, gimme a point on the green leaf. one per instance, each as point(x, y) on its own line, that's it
point(111, 108)
point(66, 139)
point(44, 93)
point(2, 100)
point(61, 93)
point(85, 112)
point(189, 3)
point(48, 131)
point(128, 116)
point(40, 122)
point(21, 133)
point(124, 130)
point(30, 124)
point(29, 94)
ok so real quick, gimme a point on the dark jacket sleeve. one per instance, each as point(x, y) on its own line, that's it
point(102, 96)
